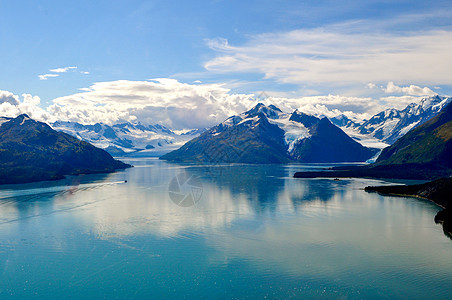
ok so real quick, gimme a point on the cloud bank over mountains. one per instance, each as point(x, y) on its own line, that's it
point(414, 90)
point(185, 106)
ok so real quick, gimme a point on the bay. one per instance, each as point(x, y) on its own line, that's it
point(253, 232)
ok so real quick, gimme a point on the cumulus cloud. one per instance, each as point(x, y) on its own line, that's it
point(338, 55)
point(181, 105)
point(371, 85)
point(165, 101)
point(398, 102)
point(8, 97)
point(29, 105)
point(413, 90)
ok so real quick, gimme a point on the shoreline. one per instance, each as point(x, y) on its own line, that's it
point(437, 192)
point(406, 196)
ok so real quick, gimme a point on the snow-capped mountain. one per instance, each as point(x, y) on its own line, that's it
point(389, 125)
point(32, 151)
point(380, 131)
point(127, 138)
point(264, 134)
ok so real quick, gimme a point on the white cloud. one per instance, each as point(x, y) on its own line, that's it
point(413, 90)
point(371, 85)
point(338, 55)
point(62, 70)
point(47, 76)
point(56, 72)
point(181, 105)
point(398, 102)
point(8, 97)
point(165, 101)
point(29, 105)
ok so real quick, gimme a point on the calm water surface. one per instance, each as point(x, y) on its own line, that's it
point(254, 232)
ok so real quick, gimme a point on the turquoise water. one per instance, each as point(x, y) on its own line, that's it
point(253, 232)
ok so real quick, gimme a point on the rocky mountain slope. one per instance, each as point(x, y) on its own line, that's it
point(429, 143)
point(390, 125)
point(425, 152)
point(380, 131)
point(265, 134)
point(33, 151)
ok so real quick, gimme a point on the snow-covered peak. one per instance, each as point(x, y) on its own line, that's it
point(438, 106)
point(127, 137)
point(250, 118)
point(390, 124)
point(23, 118)
point(428, 102)
point(270, 111)
point(305, 119)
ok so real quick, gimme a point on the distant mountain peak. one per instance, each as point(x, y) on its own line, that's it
point(274, 108)
point(130, 139)
point(305, 119)
point(391, 124)
point(271, 111)
point(429, 143)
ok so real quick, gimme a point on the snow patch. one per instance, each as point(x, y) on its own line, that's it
point(24, 119)
point(293, 131)
point(364, 139)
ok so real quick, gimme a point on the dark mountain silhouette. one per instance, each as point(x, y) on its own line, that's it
point(329, 144)
point(32, 151)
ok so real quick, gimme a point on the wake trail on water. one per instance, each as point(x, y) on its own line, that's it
point(56, 189)
point(36, 194)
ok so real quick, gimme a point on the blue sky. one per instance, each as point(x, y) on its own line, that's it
point(287, 48)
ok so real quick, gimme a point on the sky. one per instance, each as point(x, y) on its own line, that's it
point(190, 64)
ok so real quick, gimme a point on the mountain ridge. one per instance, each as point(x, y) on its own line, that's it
point(391, 124)
point(425, 152)
point(126, 138)
point(33, 151)
point(264, 134)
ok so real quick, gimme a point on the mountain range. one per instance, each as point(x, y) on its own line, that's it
point(33, 151)
point(425, 152)
point(429, 143)
point(128, 139)
point(264, 134)
point(391, 124)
